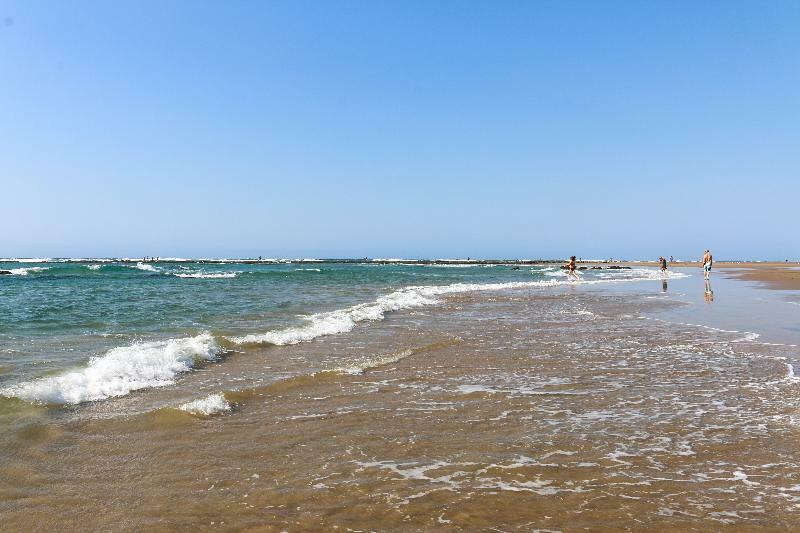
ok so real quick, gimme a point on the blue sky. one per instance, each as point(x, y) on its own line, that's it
point(386, 129)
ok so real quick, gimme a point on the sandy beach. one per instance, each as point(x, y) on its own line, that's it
point(779, 276)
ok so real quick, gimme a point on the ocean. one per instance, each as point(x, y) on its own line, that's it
point(86, 331)
point(313, 395)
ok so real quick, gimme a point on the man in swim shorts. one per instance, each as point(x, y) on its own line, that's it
point(708, 260)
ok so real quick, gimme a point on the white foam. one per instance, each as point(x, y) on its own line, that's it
point(359, 367)
point(120, 371)
point(145, 266)
point(469, 389)
point(515, 391)
point(749, 337)
point(456, 265)
point(622, 274)
point(206, 275)
point(344, 320)
point(307, 270)
point(210, 405)
point(94, 267)
point(340, 321)
point(26, 271)
point(790, 375)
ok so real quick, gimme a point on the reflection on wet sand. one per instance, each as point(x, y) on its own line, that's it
point(709, 293)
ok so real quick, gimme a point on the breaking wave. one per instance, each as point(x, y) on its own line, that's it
point(26, 271)
point(344, 320)
point(120, 371)
point(145, 267)
point(210, 405)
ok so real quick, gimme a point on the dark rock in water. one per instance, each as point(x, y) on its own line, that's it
point(597, 268)
point(618, 267)
point(583, 268)
point(4, 272)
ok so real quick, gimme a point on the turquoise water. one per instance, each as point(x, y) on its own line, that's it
point(74, 332)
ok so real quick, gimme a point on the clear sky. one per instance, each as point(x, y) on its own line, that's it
point(400, 129)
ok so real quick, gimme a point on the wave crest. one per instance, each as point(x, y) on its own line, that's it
point(120, 371)
point(210, 405)
point(27, 270)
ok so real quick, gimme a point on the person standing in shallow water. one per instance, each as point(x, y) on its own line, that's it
point(663, 264)
point(571, 266)
point(708, 260)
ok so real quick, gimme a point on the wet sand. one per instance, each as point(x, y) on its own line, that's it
point(557, 409)
point(778, 276)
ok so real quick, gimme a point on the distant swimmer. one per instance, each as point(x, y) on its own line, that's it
point(708, 260)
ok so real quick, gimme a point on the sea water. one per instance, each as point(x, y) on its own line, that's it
point(72, 332)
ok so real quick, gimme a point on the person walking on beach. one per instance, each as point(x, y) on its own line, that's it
point(663, 264)
point(708, 260)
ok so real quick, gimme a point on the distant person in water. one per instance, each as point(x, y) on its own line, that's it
point(671, 259)
point(708, 260)
point(663, 264)
point(571, 266)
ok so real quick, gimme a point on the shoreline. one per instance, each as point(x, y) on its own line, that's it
point(476, 425)
point(769, 275)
